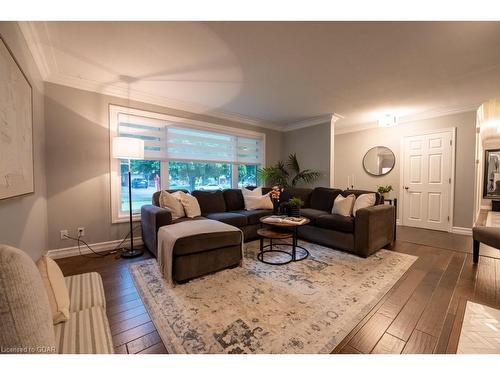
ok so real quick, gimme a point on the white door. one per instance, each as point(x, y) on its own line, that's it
point(427, 174)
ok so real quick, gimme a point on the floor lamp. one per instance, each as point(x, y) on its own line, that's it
point(129, 149)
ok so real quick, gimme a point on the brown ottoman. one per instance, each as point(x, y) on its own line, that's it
point(201, 254)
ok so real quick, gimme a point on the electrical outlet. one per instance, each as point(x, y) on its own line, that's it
point(64, 233)
point(81, 231)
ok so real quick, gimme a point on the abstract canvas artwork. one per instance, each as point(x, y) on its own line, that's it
point(16, 128)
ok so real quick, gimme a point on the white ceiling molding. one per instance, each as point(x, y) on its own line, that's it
point(311, 122)
point(406, 119)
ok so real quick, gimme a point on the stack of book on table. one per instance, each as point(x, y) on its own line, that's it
point(276, 219)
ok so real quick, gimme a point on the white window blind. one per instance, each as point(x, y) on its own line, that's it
point(194, 144)
point(151, 131)
point(164, 140)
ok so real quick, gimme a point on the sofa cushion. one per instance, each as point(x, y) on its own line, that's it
point(26, 317)
point(254, 216)
point(336, 222)
point(233, 199)
point(171, 201)
point(230, 218)
point(357, 193)
point(206, 242)
point(85, 291)
point(322, 198)
point(53, 280)
point(85, 332)
point(210, 201)
point(312, 214)
point(156, 195)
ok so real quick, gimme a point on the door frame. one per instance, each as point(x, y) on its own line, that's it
point(402, 155)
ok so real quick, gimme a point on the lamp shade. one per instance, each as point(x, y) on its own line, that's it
point(488, 120)
point(128, 148)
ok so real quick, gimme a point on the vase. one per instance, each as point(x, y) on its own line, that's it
point(294, 211)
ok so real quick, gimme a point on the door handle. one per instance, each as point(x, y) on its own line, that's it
point(407, 187)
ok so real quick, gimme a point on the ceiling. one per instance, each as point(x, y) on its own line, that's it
point(278, 74)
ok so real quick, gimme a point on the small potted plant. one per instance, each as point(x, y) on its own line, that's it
point(294, 205)
point(384, 191)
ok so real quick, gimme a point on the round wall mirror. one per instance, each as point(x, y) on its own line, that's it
point(379, 161)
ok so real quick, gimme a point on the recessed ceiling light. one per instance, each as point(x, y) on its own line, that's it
point(387, 121)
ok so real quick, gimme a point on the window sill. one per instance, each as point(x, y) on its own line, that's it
point(121, 220)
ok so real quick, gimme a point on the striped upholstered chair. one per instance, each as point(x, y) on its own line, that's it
point(26, 324)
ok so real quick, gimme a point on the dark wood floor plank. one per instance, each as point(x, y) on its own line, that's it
point(347, 349)
point(420, 343)
point(367, 337)
point(121, 308)
point(129, 314)
point(398, 298)
point(389, 344)
point(407, 319)
point(133, 334)
point(433, 317)
point(155, 349)
point(128, 324)
point(485, 291)
point(143, 342)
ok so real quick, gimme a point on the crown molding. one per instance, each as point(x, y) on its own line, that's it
point(312, 122)
point(407, 119)
point(34, 45)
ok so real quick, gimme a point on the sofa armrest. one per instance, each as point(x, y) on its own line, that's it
point(152, 218)
point(374, 228)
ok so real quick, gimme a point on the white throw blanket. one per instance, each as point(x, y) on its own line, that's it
point(169, 234)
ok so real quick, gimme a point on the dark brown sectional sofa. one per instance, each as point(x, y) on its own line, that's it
point(371, 229)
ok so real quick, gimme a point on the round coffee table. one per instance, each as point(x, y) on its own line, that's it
point(281, 231)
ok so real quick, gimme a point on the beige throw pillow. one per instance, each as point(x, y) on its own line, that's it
point(173, 203)
point(363, 201)
point(53, 280)
point(343, 205)
point(252, 197)
point(190, 204)
point(262, 202)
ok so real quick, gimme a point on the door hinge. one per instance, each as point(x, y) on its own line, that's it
point(451, 142)
point(448, 218)
point(449, 180)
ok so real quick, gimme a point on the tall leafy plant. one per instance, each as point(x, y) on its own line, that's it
point(288, 173)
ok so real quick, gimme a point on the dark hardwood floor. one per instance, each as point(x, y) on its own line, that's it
point(422, 313)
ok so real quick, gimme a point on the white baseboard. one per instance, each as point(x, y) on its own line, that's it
point(462, 230)
point(98, 247)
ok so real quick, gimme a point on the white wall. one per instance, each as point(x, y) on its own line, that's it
point(23, 220)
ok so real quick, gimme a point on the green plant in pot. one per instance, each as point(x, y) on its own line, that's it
point(294, 205)
point(384, 191)
point(287, 174)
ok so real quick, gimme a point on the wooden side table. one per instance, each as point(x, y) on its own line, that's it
point(280, 231)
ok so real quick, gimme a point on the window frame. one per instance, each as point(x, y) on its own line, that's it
point(163, 119)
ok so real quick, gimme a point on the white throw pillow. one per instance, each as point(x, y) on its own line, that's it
point(257, 192)
point(262, 202)
point(363, 201)
point(190, 204)
point(343, 205)
point(248, 196)
point(53, 281)
point(173, 203)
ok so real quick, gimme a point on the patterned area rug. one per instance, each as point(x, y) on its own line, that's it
point(302, 307)
point(480, 330)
